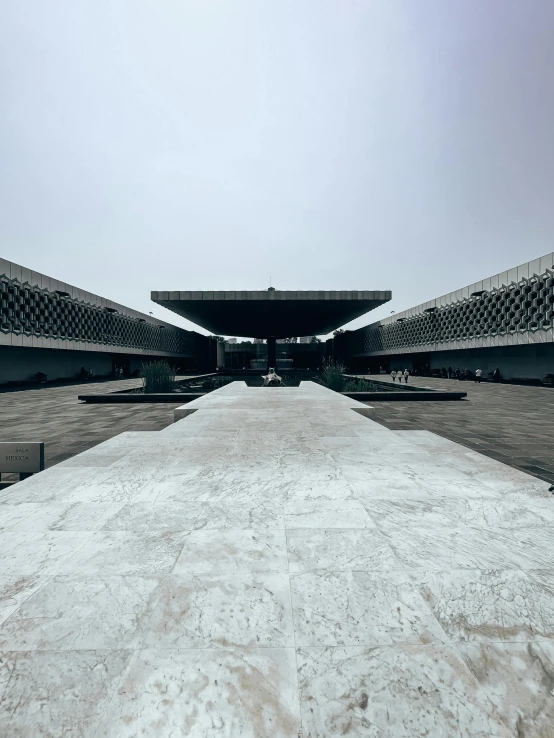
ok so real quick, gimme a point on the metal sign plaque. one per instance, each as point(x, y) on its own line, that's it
point(22, 457)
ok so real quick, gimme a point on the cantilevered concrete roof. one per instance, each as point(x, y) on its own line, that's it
point(279, 313)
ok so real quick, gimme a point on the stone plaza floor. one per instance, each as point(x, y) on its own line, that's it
point(508, 422)
point(277, 564)
point(53, 414)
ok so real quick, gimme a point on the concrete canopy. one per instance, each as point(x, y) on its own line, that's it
point(271, 313)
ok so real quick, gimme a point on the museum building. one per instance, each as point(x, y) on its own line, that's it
point(505, 321)
point(53, 329)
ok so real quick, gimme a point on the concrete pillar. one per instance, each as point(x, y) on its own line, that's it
point(220, 354)
point(271, 352)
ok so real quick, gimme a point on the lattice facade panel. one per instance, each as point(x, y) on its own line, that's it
point(32, 311)
point(521, 307)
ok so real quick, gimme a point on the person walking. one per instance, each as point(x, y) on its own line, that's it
point(478, 376)
point(450, 372)
point(393, 375)
point(406, 375)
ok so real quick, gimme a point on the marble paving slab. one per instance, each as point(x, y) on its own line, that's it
point(82, 613)
point(340, 550)
point(277, 565)
point(517, 679)
point(510, 511)
point(400, 691)
point(172, 515)
point(246, 692)
point(491, 605)
point(65, 516)
point(233, 551)
point(250, 609)
point(58, 693)
point(350, 608)
point(15, 589)
point(300, 512)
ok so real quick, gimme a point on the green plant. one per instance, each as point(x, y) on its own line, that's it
point(214, 383)
point(157, 376)
point(332, 375)
point(359, 385)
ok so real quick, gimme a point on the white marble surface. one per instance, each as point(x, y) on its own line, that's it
point(395, 691)
point(80, 613)
point(246, 692)
point(277, 565)
point(126, 552)
point(518, 680)
point(325, 513)
point(57, 693)
point(233, 551)
point(336, 549)
point(220, 610)
point(15, 589)
point(491, 605)
point(349, 608)
point(143, 517)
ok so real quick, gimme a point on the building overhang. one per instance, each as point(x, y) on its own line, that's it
point(268, 313)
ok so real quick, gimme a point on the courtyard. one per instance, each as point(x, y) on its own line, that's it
point(53, 414)
point(508, 422)
point(266, 199)
point(274, 564)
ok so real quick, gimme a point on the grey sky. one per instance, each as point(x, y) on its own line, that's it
point(391, 144)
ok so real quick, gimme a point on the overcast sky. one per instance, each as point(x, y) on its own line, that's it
point(385, 144)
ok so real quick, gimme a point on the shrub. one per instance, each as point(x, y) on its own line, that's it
point(332, 375)
point(158, 376)
point(360, 385)
point(214, 383)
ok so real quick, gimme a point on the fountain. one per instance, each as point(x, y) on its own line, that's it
point(271, 379)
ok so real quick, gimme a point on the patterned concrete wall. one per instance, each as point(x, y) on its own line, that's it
point(514, 308)
point(31, 315)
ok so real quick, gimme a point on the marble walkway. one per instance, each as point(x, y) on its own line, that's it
point(277, 565)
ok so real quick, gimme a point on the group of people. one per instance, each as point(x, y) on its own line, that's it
point(467, 374)
point(86, 373)
point(460, 374)
point(394, 374)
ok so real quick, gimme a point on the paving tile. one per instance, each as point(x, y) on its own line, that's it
point(73, 516)
point(209, 611)
point(517, 679)
point(244, 692)
point(508, 512)
point(318, 513)
point(121, 552)
point(491, 605)
point(15, 589)
point(27, 553)
point(82, 613)
point(55, 693)
point(464, 548)
point(360, 608)
point(339, 550)
point(218, 551)
point(393, 691)
point(142, 517)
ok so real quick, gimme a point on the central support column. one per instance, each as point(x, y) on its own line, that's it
point(272, 352)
